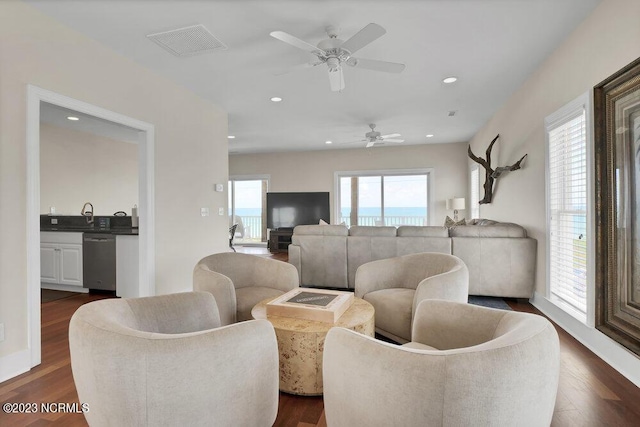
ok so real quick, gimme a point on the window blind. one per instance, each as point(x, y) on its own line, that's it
point(567, 205)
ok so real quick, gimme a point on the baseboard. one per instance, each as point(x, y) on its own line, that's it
point(620, 359)
point(68, 288)
point(14, 364)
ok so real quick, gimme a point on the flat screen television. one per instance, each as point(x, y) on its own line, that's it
point(286, 210)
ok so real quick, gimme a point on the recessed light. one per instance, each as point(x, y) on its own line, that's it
point(450, 79)
point(328, 142)
point(430, 135)
point(72, 118)
point(276, 99)
point(231, 137)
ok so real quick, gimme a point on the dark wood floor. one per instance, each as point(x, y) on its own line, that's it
point(591, 393)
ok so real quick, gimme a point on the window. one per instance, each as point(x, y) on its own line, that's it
point(567, 208)
point(247, 199)
point(384, 197)
point(474, 186)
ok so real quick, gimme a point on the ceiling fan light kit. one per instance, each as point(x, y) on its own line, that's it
point(335, 53)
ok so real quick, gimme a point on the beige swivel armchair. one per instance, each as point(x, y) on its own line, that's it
point(395, 286)
point(466, 366)
point(164, 361)
point(240, 281)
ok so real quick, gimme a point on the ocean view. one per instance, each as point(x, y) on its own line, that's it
point(413, 211)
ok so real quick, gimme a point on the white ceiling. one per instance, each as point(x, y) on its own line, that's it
point(58, 116)
point(492, 46)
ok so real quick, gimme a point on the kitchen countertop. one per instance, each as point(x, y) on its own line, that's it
point(117, 225)
point(114, 231)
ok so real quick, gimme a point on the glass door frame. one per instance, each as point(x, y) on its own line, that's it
point(231, 198)
point(429, 172)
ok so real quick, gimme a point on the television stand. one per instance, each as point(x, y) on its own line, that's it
point(280, 239)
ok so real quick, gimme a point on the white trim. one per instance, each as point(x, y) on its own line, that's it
point(68, 288)
point(430, 172)
point(620, 359)
point(14, 364)
point(146, 191)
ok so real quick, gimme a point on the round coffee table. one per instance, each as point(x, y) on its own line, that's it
point(301, 344)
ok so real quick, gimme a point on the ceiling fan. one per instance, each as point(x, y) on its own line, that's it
point(335, 52)
point(373, 137)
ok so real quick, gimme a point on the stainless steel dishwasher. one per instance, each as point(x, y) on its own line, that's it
point(99, 261)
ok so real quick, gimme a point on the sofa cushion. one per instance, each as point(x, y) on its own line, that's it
point(363, 230)
point(248, 297)
point(364, 249)
point(426, 231)
point(393, 310)
point(503, 229)
point(321, 230)
point(481, 221)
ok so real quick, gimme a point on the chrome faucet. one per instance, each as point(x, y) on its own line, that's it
point(87, 214)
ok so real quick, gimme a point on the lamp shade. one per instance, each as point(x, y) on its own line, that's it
point(457, 203)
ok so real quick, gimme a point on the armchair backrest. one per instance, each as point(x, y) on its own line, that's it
point(163, 361)
point(251, 270)
point(513, 375)
point(406, 271)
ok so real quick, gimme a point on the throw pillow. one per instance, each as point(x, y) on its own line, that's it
point(448, 222)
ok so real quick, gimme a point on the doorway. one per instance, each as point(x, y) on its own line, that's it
point(247, 209)
point(35, 97)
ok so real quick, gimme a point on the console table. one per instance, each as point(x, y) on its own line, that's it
point(279, 240)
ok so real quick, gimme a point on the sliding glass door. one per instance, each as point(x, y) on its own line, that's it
point(377, 198)
point(247, 208)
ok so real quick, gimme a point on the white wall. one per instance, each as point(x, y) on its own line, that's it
point(606, 41)
point(78, 167)
point(314, 171)
point(190, 151)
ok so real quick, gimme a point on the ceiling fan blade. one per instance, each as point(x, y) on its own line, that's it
point(394, 140)
point(363, 37)
point(391, 135)
point(296, 42)
point(375, 65)
point(336, 79)
point(370, 144)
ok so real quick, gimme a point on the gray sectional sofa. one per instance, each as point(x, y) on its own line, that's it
point(500, 257)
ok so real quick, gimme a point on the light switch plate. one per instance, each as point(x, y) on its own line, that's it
point(220, 211)
point(219, 187)
point(204, 211)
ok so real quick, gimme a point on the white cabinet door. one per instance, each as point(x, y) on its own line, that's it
point(61, 260)
point(49, 264)
point(70, 264)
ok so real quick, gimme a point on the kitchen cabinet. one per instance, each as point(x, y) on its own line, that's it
point(61, 261)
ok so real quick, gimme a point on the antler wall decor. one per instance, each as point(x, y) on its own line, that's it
point(492, 174)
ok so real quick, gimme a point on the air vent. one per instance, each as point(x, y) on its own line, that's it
point(188, 41)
